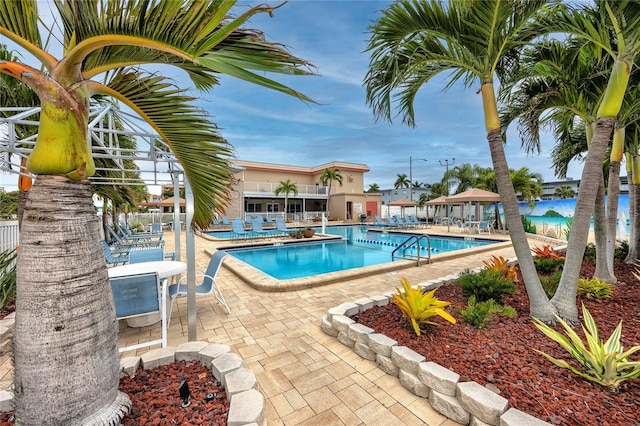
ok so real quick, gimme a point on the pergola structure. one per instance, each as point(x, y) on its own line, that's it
point(155, 161)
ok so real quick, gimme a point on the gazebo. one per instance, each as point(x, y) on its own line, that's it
point(474, 195)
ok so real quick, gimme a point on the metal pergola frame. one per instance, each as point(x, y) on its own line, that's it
point(156, 165)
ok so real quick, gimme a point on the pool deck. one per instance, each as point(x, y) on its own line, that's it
point(306, 376)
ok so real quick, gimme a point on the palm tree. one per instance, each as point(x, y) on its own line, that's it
point(463, 175)
point(373, 188)
point(527, 183)
point(473, 42)
point(64, 301)
point(402, 181)
point(327, 177)
point(624, 18)
point(564, 191)
point(286, 187)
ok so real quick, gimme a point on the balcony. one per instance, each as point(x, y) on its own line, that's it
point(267, 189)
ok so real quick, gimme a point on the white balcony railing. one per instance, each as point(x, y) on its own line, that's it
point(270, 188)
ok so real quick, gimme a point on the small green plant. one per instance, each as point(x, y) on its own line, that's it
point(486, 284)
point(479, 314)
point(590, 252)
point(594, 288)
point(550, 283)
point(605, 363)
point(622, 250)
point(546, 265)
point(7, 277)
point(529, 227)
point(419, 307)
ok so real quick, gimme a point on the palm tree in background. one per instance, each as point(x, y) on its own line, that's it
point(67, 306)
point(327, 178)
point(286, 187)
point(564, 191)
point(527, 183)
point(402, 181)
point(373, 188)
point(474, 43)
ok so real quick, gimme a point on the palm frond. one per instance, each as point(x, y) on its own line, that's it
point(194, 140)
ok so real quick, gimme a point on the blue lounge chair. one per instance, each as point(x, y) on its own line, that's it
point(380, 223)
point(124, 243)
point(256, 227)
point(225, 220)
point(114, 257)
point(207, 286)
point(238, 230)
point(281, 227)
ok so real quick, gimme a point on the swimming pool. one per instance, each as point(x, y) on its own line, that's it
point(357, 249)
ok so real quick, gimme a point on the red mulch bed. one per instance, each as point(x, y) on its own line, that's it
point(156, 399)
point(502, 355)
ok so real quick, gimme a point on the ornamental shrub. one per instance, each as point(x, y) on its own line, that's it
point(486, 284)
point(7, 277)
point(479, 314)
point(593, 288)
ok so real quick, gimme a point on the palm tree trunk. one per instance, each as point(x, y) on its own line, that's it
point(65, 340)
point(613, 195)
point(540, 307)
point(635, 224)
point(565, 298)
point(600, 232)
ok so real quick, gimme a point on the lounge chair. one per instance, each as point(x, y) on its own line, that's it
point(379, 223)
point(281, 227)
point(207, 286)
point(114, 257)
point(399, 221)
point(238, 230)
point(124, 243)
point(127, 232)
point(141, 294)
point(225, 220)
point(256, 227)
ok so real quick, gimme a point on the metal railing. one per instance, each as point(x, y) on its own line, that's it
point(270, 188)
point(410, 244)
point(9, 235)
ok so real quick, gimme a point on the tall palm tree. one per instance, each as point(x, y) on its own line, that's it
point(286, 187)
point(623, 17)
point(64, 301)
point(402, 181)
point(473, 42)
point(327, 177)
point(463, 176)
point(527, 183)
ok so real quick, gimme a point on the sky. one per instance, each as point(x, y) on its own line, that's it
point(268, 126)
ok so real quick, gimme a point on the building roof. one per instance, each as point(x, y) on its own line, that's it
point(340, 165)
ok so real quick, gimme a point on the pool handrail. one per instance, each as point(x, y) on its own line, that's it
point(406, 244)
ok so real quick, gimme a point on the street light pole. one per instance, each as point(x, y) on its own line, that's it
point(446, 174)
point(411, 160)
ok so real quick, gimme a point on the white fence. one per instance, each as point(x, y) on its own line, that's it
point(9, 235)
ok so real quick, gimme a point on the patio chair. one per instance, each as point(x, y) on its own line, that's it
point(125, 231)
point(485, 226)
point(256, 228)
point(459, 226)
point(238, 230)
point(205, 287)
point(140, 294)
point(128, 243)
point(114, 257)
point(225, 220)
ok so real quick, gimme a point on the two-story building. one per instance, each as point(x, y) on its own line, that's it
point(255, 184)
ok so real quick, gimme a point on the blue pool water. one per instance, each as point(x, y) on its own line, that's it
point(359, 248)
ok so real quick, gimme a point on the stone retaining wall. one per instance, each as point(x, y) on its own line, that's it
point(463, 402)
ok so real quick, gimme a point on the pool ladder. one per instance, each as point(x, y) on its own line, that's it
point(410, 244)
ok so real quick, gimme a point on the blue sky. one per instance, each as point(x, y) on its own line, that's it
point(268, 126)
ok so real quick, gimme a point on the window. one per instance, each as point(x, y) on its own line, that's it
point(273, 207)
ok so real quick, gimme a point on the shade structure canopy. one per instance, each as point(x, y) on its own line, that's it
point(441, 200)
point(169, 202)
point(403, 202)
point(474, 195)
